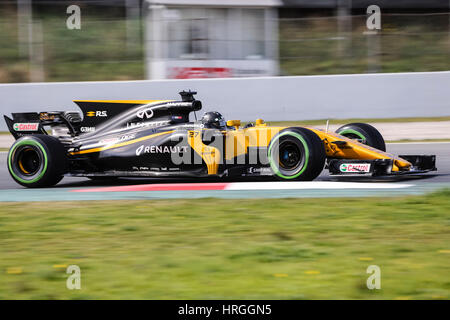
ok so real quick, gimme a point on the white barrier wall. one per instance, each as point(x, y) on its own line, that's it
point(270, 98)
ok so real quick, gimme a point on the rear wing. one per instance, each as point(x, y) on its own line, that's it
point(29, 123)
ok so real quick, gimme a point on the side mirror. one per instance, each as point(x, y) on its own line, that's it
point(234, 123)
point(260, 123)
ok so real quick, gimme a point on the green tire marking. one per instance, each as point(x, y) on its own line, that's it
point(274, 166)
point(359, 134)
point(33, 143)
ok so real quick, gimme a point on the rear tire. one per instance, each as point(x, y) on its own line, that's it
point(296, 154)
point(37, 161)
point(365, 133)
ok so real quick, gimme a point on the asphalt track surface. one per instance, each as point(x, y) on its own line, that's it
point(323, 186)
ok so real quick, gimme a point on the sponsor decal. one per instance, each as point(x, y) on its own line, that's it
point(261, 170)
point(178, 104)
point(160, 149)
point(145, 114)
point(87, 129)
point(355, 167)
point(146, 124)
point(44, 116)
point(26, 126)
point(200, 72)
point(148, 113)
point(117, 139)
point(100, 114)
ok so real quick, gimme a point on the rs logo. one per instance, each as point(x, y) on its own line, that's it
point(96, 114)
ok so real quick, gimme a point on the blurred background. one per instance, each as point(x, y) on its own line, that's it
point(179, 39)
point(233, 248)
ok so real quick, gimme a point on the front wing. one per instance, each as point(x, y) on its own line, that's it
point(380, 167)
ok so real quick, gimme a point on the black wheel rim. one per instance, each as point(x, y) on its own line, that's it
point(28, 161)
point(290, 155)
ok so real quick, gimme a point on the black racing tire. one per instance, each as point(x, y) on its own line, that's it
point(365, 133)
point(296, 154)
point(37, 161)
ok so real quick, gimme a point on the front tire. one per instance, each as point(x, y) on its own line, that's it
point(364, 133)
point(296, 154)
point(37, 161)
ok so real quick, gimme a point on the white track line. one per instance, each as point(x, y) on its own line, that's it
point(312, 185)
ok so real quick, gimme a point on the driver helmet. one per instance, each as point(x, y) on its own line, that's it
point(214, 120)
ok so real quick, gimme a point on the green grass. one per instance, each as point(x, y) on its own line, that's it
point(99, 51)
point(228, 249)
point(406, 44)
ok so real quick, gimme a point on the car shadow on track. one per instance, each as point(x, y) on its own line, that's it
point(86, 183)
point(66, 182)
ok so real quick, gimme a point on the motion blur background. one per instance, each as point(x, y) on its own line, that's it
point(233, 248)
point(151, 39)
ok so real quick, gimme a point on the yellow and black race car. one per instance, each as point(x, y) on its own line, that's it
point(155, 138)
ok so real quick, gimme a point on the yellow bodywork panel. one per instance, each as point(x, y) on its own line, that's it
point(238, 141)
point(354, 150)
point(209, 154)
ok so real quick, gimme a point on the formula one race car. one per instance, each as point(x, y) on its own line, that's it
point(155, 138)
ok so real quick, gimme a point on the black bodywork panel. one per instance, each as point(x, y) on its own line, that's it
point(132, 138)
